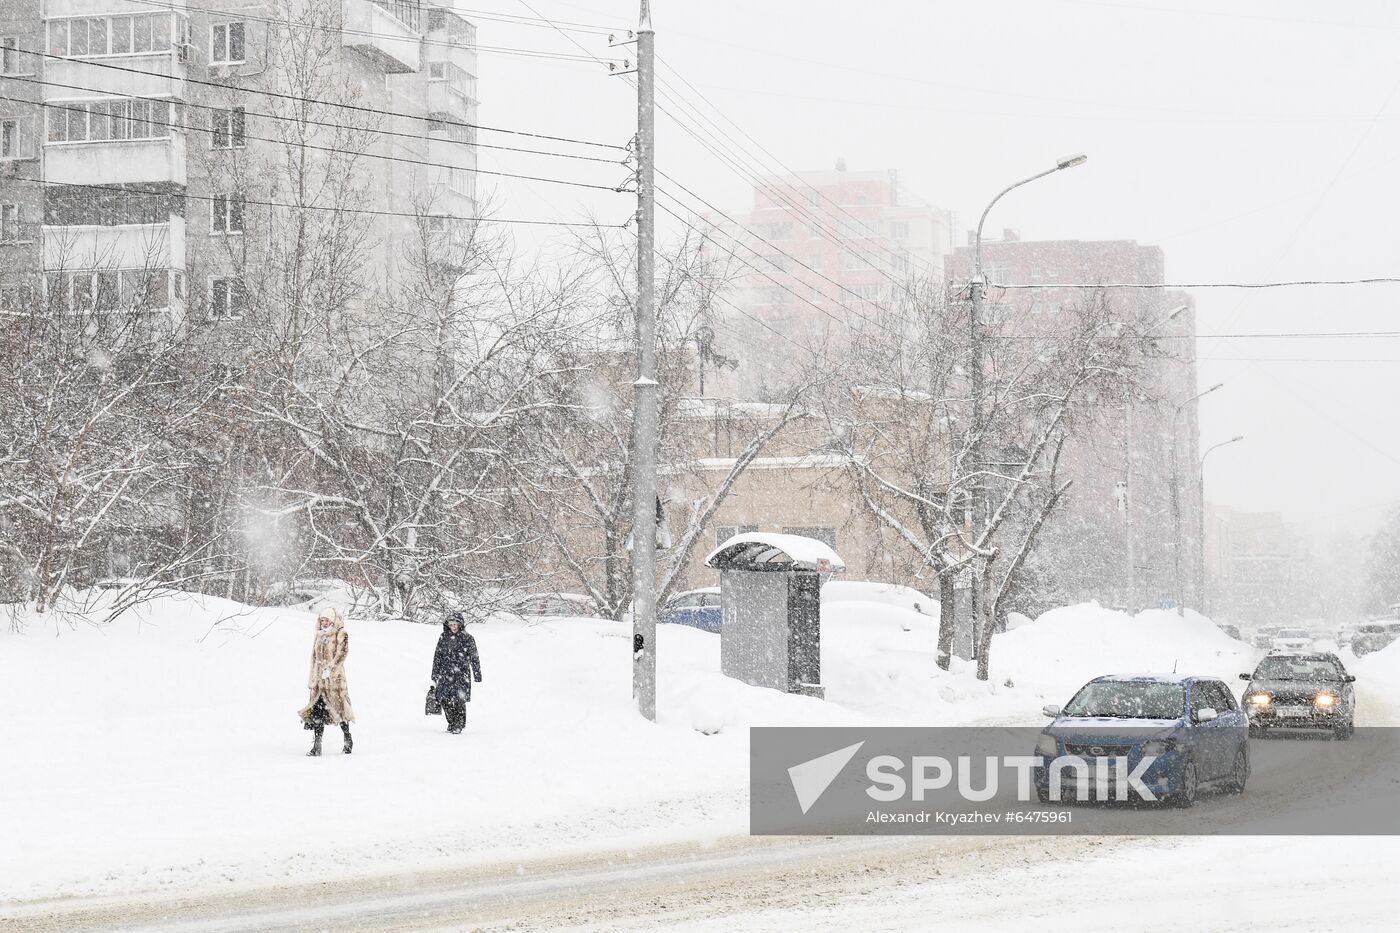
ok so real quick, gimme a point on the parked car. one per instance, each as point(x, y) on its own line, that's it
point(535, 606)
point(1264, 635)
point(1192, 726)
point(696, 608)
point(1291, 639)
point(1374, 635)
point(1306, 690)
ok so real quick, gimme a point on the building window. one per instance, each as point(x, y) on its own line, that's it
point(9, 223)
point(899, 229)
point(825, 535)
point(16, 298)
point(104, 120)
point(10, 56)
point(229, 129)
point(226, 214)
point(9, 139)
point(226, 299)
point(132, 34)
point(108, 290)
point(724, 532)
point(226, 44)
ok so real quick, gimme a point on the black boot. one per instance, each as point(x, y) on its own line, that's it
point(316, 743)
point(349, 742)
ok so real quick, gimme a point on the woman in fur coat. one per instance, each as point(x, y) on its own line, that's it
point(330, 693)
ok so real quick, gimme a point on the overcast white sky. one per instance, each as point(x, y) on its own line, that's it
point(1253, 145)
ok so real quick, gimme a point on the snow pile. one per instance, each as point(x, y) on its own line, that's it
point(889, 594)
point(163, 750)
point(1380, 667)
point(1064, 648)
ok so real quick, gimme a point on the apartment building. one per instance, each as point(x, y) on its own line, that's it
point(148, 148)
point(1113, 538)
point(830, 245)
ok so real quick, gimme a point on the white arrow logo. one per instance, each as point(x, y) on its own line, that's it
point(811, 778)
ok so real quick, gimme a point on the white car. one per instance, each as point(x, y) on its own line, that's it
point(1291, 639)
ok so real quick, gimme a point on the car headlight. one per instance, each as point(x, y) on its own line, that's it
point(1260, 699)
point(1047, 746)
point(1325, 700)
point(1158, 747)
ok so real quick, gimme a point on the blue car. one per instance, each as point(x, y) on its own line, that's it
point(696, 608)
point(1191, 728)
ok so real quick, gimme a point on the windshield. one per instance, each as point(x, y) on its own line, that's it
point(1292, 633)
point(1297, 669)
point(1120, 699)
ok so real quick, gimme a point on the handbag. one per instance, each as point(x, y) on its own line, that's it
point(431, 706)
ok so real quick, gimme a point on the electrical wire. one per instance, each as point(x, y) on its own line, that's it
point(316, 207)
point(309, 122)
point(326, 103)
point(249, 16)
point(1375, 280)
point(822, 197)
point(331, 149)
point(728, 162)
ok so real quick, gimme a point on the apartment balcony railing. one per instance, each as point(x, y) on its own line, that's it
point(384, 31)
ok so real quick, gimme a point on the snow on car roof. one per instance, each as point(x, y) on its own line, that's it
point(763, 547)
point(1155, 678)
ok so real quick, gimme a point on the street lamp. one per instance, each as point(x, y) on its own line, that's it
point(1201, 521)
point(1176, 500)
point(978, 286)
point(1129, 533)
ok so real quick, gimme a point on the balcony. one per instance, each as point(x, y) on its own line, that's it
point(451, 91)
point(391, 42)
point(116, 161)
point(165, 75)
point(127, 246)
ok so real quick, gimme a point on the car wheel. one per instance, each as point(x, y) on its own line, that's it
point(1343, 731)
point(1257, 732)
point(1239, 774)
point(1189, 784)
point(1042, 793)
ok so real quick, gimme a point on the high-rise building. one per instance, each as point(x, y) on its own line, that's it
point(148, 148)
point(1113, 537)
point(834, 244)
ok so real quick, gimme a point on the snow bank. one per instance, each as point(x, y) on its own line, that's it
point(1064, 648)
point(163, 750)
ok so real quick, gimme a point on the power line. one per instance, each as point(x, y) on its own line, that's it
point(769, 243)
point(790, 172)
point(317, 207)
point(327, 103)
point(343, 30)
point(1376, 280)
point(1289, 359)
point(757, 271)
point(371, 155)
point(728, 160)
point(309, 122)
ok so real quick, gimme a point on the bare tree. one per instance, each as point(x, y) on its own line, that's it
point(910, 446)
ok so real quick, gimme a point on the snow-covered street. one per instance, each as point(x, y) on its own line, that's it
point(179, 798)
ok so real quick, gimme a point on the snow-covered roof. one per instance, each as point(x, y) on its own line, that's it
point(777, 551)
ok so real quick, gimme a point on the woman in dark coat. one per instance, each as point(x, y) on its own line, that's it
point(455, 666)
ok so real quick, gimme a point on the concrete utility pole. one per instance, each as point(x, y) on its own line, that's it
point(1177, 543)
point(644, 413)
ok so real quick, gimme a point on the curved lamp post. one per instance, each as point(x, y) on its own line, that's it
point(1176, 500)
point(1201, 524)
